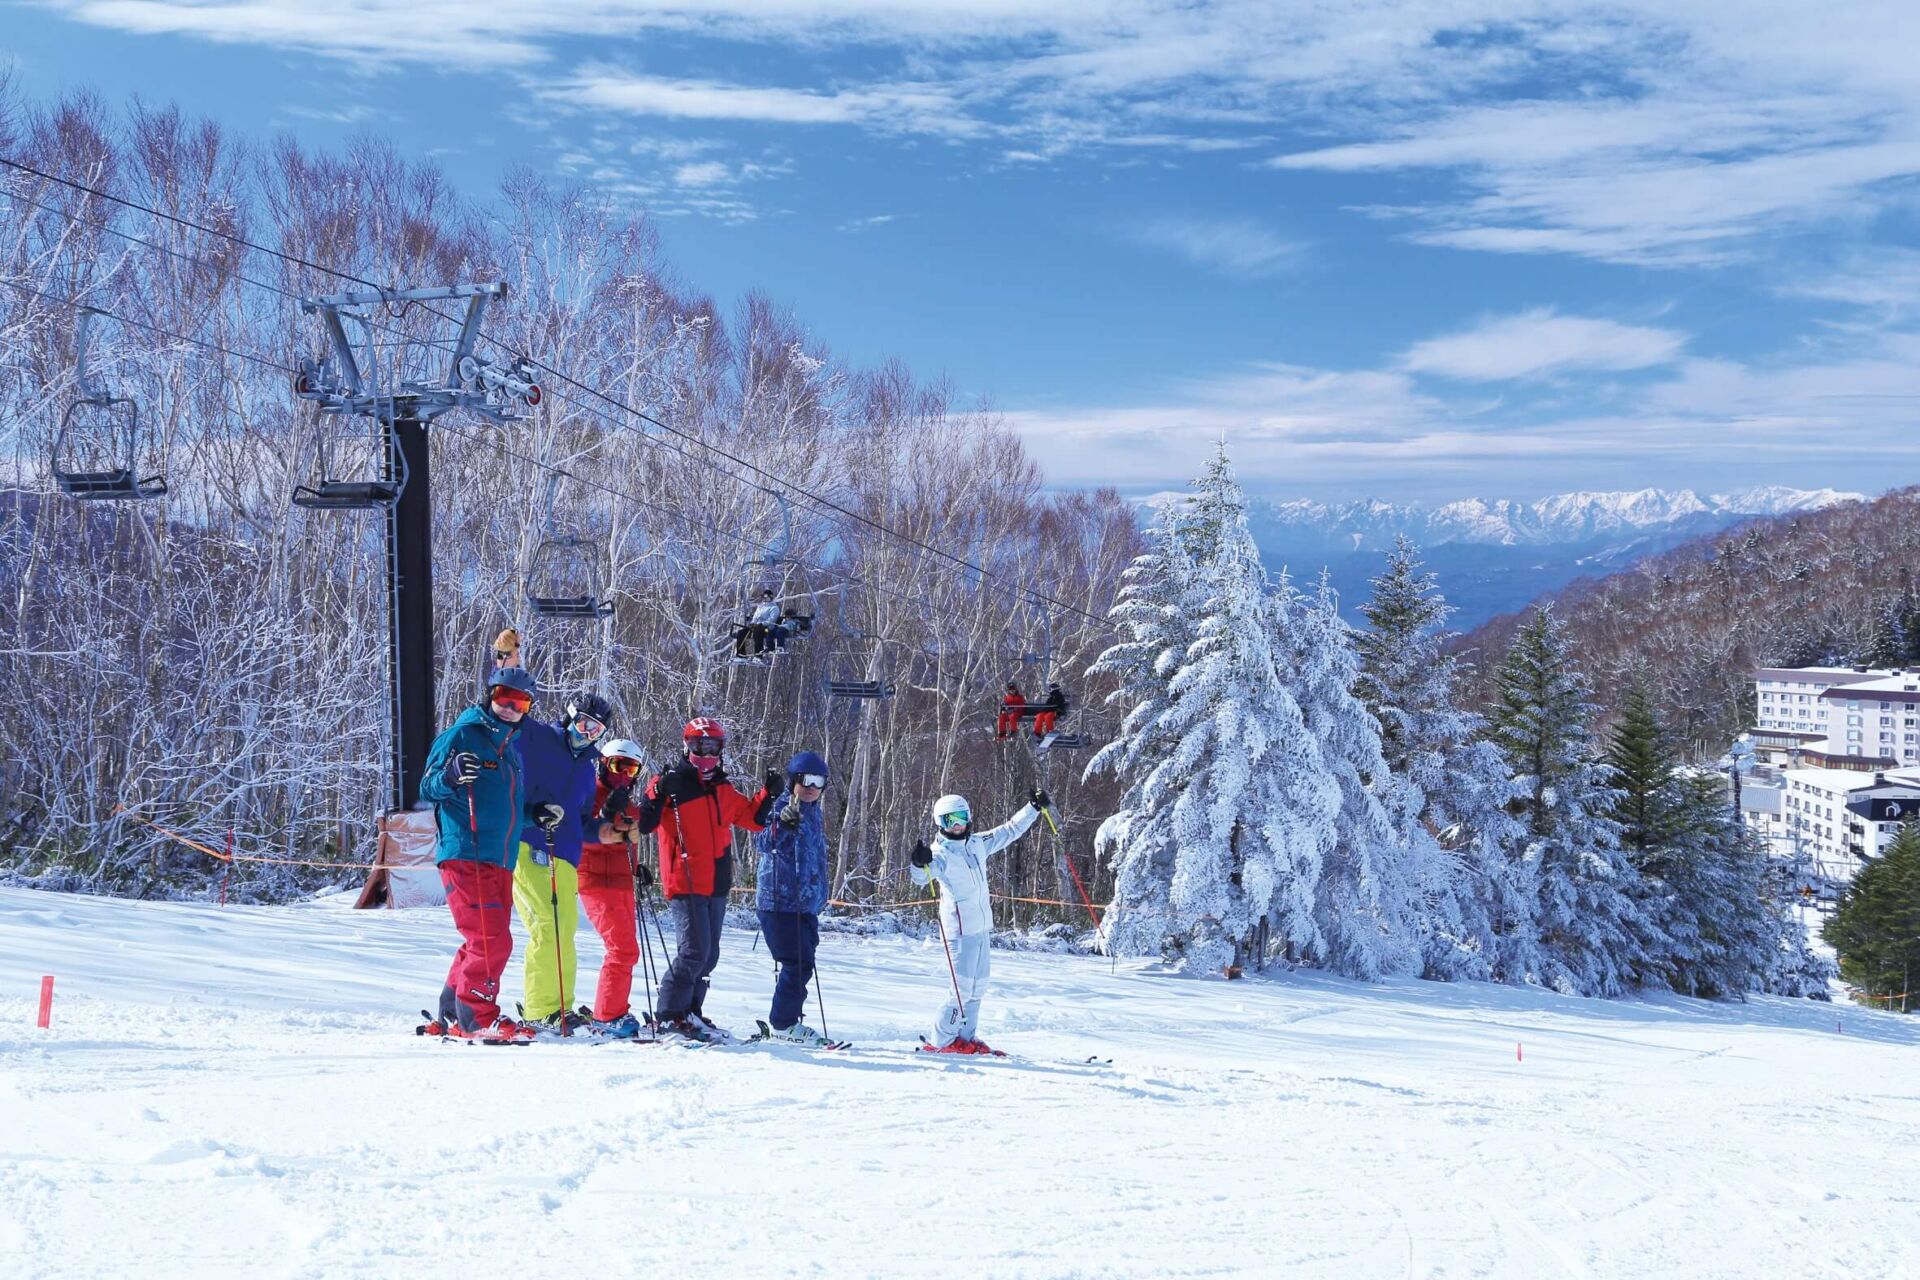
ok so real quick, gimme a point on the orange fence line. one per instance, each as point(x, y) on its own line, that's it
point(222, 856)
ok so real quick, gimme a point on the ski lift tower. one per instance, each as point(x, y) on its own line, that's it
point(401, 387)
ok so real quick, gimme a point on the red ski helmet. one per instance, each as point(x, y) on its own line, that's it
point(703, 727)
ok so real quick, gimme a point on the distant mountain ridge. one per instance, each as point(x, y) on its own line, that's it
point(1495, 555)
point(1371, 523)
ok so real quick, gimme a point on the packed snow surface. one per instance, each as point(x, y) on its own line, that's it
point(238, 1091)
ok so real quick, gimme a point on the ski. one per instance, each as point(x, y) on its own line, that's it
point(437, 1029)
point(767, 1035)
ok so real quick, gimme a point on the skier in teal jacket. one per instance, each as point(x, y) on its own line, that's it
point(473, 781)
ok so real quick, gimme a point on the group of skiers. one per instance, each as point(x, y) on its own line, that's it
point(552, 814)
point(1014, 707)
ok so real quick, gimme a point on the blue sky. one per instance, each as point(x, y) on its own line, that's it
point(1412, 250)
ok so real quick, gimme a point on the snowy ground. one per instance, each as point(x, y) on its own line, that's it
point(238, 1092)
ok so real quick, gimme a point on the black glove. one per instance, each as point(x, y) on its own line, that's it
point(921, 855)
point(775, 782)
point(681, 786)
point(461, 768)
point(1041, 800)
point(617, 804)
point(545, 816)
point(643, 875)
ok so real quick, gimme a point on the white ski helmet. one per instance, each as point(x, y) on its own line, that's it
point(949, 807)
point(624, 749)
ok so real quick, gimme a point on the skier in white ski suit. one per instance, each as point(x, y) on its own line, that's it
point(957, 859)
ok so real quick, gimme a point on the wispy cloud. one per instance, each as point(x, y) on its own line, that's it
point(862, 224)
point(1232, 246)
point(1539, 343)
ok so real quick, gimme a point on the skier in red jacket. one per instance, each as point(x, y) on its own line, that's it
point(611, 868)
point(696, 809)
point(1012, 708)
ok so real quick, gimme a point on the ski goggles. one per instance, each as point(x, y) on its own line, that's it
point(813, 780)
point(624, 767)
point(588, 728)
point(519, 699)
point(956, 820)
point(705, 746)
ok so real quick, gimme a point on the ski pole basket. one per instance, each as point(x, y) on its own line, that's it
point(97, 448)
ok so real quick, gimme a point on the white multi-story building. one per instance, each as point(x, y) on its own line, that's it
point(1835, 819)
point(1841, 717)
point(1790, 697)
point(1876, 719)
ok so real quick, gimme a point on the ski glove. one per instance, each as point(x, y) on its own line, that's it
point(617, 804)
point(775, 782)
point(643, 875)
point(790, 811)
point(461, 768)
point(1041, 800)
point(546, 816)
point(921, 856)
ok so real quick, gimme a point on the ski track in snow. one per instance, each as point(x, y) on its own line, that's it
point(237, 1092)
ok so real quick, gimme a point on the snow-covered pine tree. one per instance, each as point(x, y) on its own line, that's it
point(1156, 614)
point(1876, 928)
point(1477, 912)
point(1235, 792)
point(1367, 903)
point(1586, 895)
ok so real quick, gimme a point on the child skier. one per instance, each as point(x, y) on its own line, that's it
point(958, 861)
point(473, 781)
point(694, 809)
point(611, 869)
point(792, 888)
point(560, 768)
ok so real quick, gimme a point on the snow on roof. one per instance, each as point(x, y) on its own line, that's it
point(1908, 682)
point(1845, 780)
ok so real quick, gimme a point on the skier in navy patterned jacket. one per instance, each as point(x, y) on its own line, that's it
point(957, 860)
point(791, 890)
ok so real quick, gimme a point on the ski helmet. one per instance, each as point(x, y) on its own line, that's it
point(627, 752)
point(591, 705)
point(513, 678)
point(703, 727)
point(952, 815)
point(805, 763)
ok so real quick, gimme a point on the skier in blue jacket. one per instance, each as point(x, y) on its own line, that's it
point(792, 889)
point(562, 768)
point(473, 781)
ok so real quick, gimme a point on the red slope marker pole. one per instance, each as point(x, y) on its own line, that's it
point(1518, 1056)
point(46, 1001)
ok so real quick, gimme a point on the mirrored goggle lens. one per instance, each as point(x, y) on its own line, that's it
point(812, 780)
point(516, 698)
point(588, 727)
point(952, 820)
point(705, 746)
point(624, 767)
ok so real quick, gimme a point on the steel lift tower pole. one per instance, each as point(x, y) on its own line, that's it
point(391, 390)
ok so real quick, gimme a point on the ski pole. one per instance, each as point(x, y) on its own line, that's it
point(559, 970)
point(820, 996)
point(640, 927)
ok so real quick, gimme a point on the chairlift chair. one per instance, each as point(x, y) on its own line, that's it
point(564, 582)
point(111, 424)
point(859, 690)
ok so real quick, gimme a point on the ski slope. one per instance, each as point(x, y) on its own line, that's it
point(237, 1091)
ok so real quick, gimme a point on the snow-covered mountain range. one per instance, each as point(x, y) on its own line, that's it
point(1562, 518)
point(1495, 555)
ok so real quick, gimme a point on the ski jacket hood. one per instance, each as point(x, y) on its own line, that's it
point(960, 869)
point(479, 822)
point(793, 859)
point(555, 775)
point(696, 816)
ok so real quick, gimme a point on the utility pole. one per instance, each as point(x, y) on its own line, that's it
point(403, 398)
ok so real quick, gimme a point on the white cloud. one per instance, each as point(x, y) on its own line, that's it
point(1540, 343)
point(1235, 247)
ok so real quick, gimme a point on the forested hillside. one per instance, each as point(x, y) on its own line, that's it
point(215, 660)
point(1832, 586)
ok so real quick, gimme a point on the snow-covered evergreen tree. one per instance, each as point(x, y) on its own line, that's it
point(1228, 803)
point(1586, 895)
point(1368, 899)
point(1156, 614)
point(1477, 910)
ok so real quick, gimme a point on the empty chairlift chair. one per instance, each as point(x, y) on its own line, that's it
point(96, 451)
point(564, 582)
point(858, 690)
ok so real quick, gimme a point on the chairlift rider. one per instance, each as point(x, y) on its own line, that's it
point(1013, 708)
point(763, 627)
point(1048, 716)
